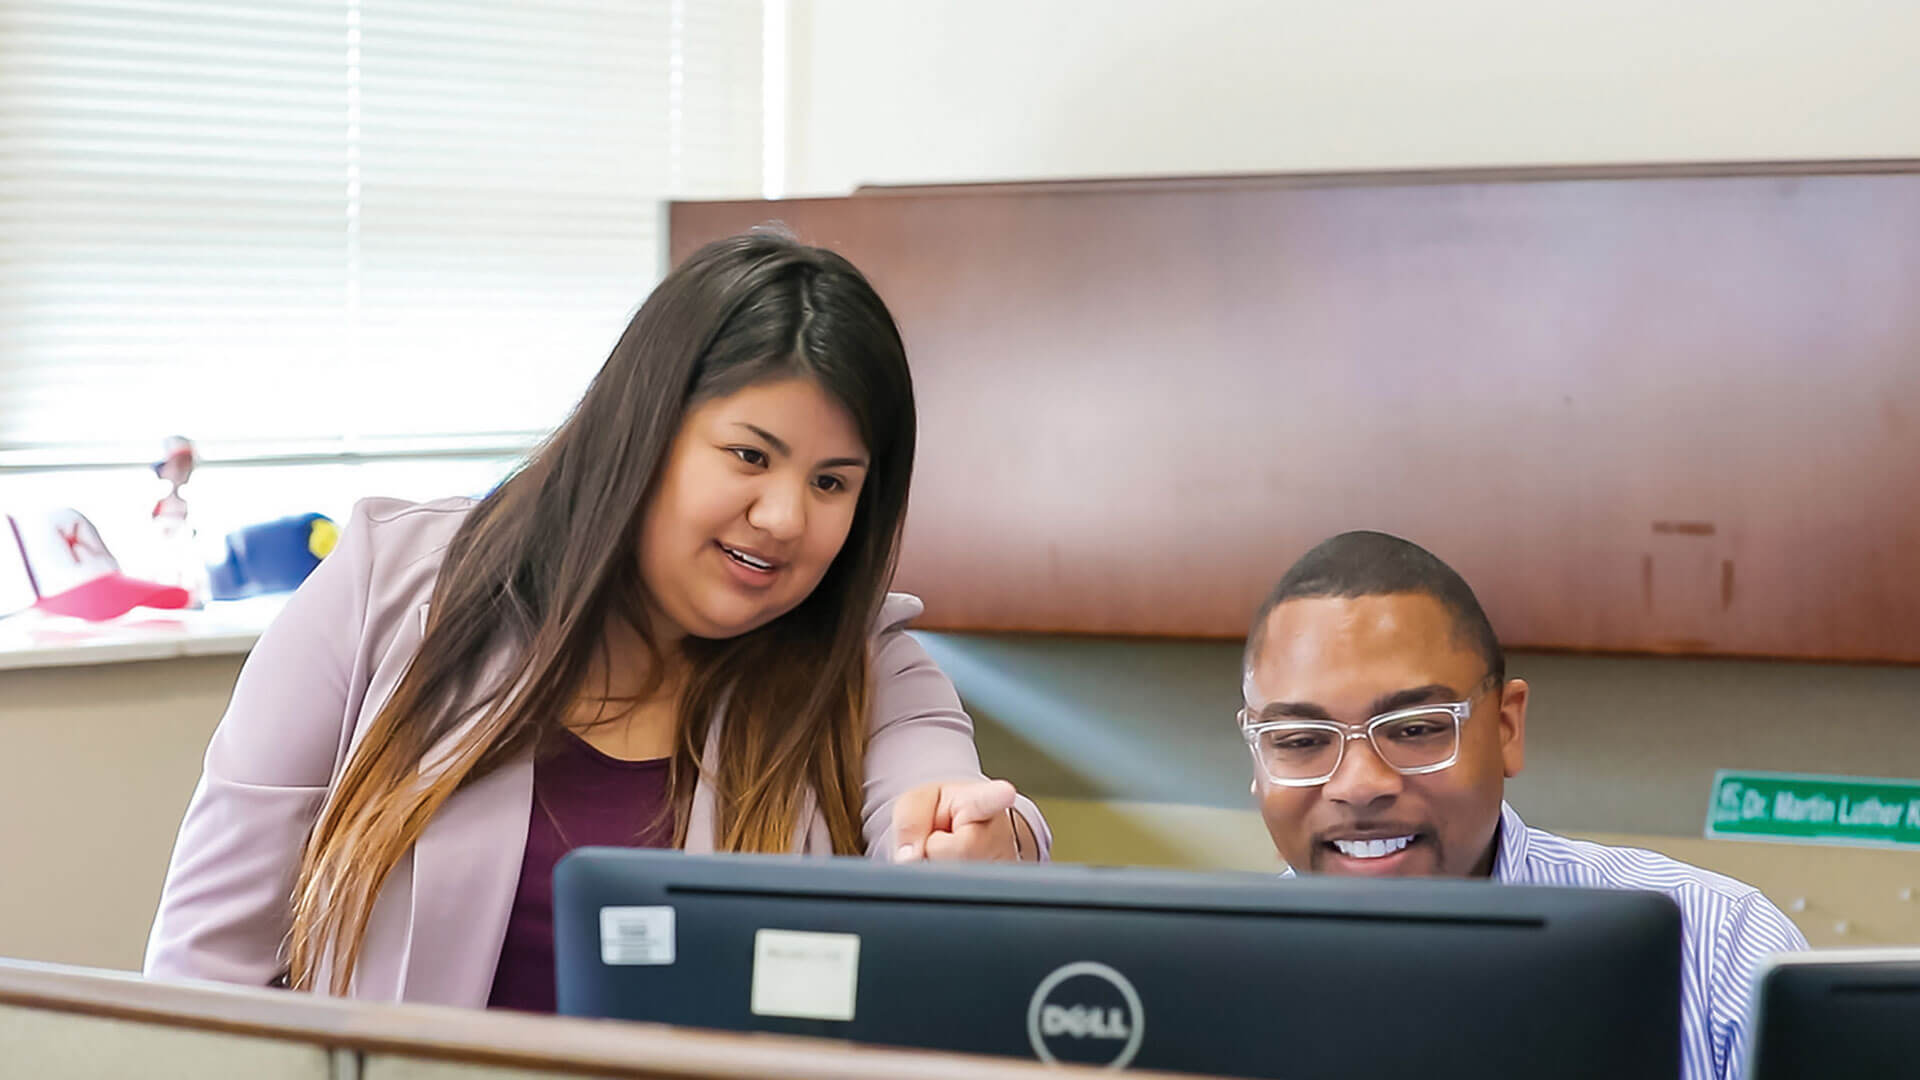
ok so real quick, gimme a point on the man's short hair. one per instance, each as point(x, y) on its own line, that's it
point(1363, 563)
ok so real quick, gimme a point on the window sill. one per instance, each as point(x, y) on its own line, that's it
point(227, 628)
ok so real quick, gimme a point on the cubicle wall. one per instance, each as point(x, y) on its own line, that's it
point(65, 1023)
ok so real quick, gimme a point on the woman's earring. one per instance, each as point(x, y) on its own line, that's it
point(1253, 786)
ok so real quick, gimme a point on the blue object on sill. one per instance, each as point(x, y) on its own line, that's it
point(272, 557)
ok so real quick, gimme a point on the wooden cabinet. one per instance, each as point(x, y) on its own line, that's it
point(1666, 409)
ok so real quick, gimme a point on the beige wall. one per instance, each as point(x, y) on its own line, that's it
point(951, 90)
point(96, 764)
point(1619, 744)
point(1122, 742)
point(1130, 747)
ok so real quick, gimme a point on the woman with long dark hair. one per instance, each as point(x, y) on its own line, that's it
point(669, 627)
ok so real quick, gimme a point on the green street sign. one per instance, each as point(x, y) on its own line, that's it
point(1797, 808)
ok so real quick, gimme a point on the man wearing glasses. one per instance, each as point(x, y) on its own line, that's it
point(1383, 729)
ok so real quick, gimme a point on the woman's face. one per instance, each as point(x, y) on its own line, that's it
point(756, 499)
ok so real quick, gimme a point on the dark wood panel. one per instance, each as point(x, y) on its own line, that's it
point(1670, 413)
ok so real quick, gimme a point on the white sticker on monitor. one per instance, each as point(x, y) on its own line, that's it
point(806, 975)
point(636, 935)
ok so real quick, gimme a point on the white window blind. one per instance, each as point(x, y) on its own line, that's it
point(289, 227)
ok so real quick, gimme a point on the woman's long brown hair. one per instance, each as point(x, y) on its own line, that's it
point(541, 565)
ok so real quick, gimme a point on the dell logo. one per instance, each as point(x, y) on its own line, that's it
point(1082, 1022)
point(1086, 1013)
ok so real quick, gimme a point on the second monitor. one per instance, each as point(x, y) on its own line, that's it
point(1839, 1012)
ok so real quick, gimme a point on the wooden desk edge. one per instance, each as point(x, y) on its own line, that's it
point(492, 1037)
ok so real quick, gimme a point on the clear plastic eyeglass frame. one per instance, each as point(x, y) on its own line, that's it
point(1252, 729)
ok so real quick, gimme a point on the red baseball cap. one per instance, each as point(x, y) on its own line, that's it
point(72, 573)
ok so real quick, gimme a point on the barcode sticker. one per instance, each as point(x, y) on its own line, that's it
point(636, 935)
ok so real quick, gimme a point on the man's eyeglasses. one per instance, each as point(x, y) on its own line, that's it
point(1305, 753)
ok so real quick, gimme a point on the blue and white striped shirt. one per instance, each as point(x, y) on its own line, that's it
point(1726, 928)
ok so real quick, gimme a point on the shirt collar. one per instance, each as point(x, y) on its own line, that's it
point(1510, 847)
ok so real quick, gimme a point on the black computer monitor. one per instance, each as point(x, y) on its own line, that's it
point(1838, 1013)
point(1227, 974)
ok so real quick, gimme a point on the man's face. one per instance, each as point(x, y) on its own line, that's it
point(1351, 660)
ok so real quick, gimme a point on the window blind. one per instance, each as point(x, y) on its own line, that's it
point(302, 227)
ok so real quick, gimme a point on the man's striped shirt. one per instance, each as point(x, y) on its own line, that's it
point(1726, 929)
